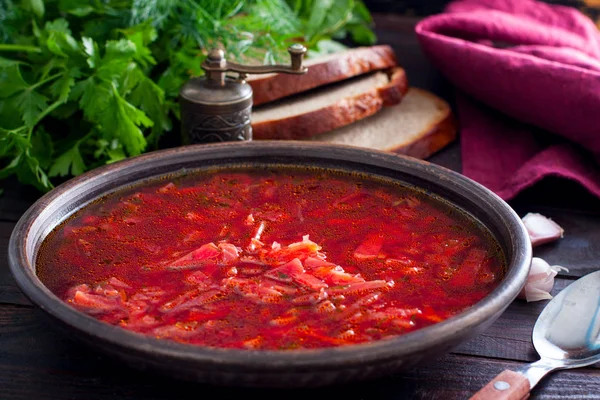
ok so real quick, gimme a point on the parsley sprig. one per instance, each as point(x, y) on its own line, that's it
point(85, 83)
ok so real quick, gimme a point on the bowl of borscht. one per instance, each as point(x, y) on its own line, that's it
point(280, 264)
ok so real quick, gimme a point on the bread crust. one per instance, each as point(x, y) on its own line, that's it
point(435, 137)
point(342, 113)
point(356, 62)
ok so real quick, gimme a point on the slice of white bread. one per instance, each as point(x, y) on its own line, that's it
point(327, 108)
point(419, 126)
point(322, 71)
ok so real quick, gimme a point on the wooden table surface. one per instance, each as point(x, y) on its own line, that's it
point(37, 361)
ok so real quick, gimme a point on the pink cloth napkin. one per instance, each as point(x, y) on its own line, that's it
point(536, 63)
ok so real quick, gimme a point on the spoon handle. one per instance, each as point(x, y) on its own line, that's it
point(508, 385)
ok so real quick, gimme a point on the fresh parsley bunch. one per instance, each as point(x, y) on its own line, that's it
point(85, 83)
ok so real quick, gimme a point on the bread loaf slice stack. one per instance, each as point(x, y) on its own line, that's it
point(323, 71)
point(359, 97)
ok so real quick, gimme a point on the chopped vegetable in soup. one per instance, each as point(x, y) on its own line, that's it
point(271, 258)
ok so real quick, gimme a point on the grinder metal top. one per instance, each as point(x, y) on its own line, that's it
point(217, 107)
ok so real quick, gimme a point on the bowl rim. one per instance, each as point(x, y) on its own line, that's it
point(270, 360)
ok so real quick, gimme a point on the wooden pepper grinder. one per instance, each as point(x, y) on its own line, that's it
point(217, 108)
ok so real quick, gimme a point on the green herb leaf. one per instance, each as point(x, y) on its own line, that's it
point(123, 49)
point(130, 77)
point(79, 89)
point(361, 12)
point(62, 87)
point(84, 83)
point(29, 171)
point(42, 147)
point(11, 139)
point(362, 34)
point(143, 55)
point(112, 151)
point(142, 35)
point(75, 7)
point(326, 46)
point(116, 118)
point(124, 121)
point(10, 116)
point(37, 6)
point(116, 154)
point(69, 162)
point(11, 81)
point(12, 166)
point(318, 14)
point(150, 98)
point(59, 40)
point(119, 54)
point(31, 104)
point(6, 62)
point(91, 50)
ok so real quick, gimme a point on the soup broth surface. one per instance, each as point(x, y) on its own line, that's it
point(270, 258)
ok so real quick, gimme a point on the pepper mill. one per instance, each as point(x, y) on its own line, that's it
point(216, 107)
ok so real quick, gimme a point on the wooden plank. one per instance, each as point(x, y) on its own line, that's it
point(9, 291)
point(15, 199)
point(49, 365)
point(459, 377)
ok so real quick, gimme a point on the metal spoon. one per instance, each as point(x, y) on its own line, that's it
point(566, 335)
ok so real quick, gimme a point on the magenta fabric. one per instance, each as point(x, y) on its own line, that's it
point(535, 63)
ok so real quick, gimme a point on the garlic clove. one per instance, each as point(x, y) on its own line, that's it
point(542, 229)
point(535, 294)
point(540, 280)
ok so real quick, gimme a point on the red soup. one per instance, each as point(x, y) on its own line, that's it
point(271, 258)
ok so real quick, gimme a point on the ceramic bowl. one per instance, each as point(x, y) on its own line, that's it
point(290, 368)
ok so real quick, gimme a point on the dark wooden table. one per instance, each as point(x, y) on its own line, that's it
point(37, 361)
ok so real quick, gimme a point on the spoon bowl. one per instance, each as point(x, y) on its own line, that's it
point(566, 335)
point(568, 329)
